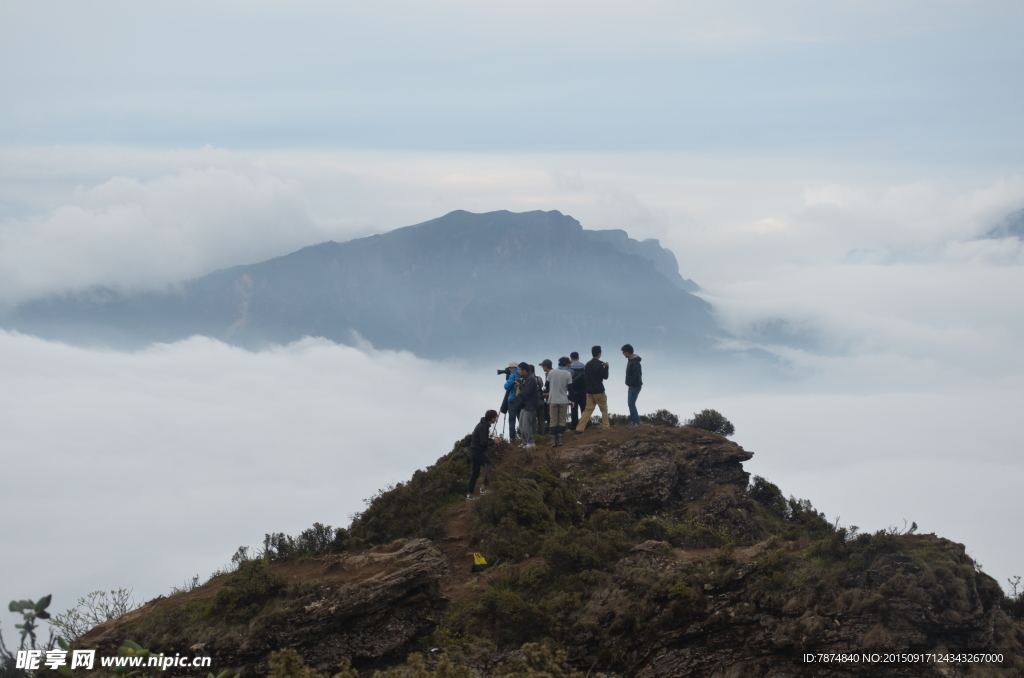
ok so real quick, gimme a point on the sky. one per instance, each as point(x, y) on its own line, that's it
point(831, 174)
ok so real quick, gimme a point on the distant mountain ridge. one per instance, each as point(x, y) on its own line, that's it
point(461, 284)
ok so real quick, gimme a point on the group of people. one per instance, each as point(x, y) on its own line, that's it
point(571, 391)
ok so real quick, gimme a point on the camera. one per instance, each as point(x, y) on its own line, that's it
point(507, 371)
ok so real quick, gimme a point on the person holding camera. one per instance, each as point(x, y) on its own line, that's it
point(479, 441)
point(511, 389)
point(595, 372)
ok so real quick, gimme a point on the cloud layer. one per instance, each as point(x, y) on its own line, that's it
point(143, 469)
point(139, 470)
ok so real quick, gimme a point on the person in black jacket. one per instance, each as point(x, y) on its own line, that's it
point(596, 372)
point(577, 389)
point(634, 380)
point(479, 441)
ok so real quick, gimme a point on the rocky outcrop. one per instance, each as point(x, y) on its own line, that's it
point(355, 607)
point(657, 470)
point(726, 616)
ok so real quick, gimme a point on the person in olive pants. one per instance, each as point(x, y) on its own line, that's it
point(596, 372)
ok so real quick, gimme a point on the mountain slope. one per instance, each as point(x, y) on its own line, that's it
point(643, 553)
point(461, 284)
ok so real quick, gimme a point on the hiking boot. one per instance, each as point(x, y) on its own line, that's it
point(579, 433)
point(484, 490)
point(470, 497)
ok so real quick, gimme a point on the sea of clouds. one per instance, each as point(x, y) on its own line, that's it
point(894, 322)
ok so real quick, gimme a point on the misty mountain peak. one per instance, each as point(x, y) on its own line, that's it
point(458, 285)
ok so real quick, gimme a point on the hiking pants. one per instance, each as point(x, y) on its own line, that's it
point(574, 409)
point(526, 421)
point(479, 459)
point(595, 400)
point(557, 417)
point(513, 416)
point(634, 391)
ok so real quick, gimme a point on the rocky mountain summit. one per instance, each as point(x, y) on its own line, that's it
point(640, 552)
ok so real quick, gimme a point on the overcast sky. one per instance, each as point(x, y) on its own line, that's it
point(829, 173)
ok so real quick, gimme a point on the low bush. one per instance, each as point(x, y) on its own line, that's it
point(1013, 604)
point(532, 661)
point(247, 590)
point(318, 540)
point(711, 420)
point(523, 507)
point(768, 495)
point(692, 534)
point(576, 550)
point(413, 509)
point(657, 418)
point(661, 418)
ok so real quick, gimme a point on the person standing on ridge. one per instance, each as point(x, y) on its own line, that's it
point(558, 397)
point(479, 441)
point(596, 372)
point(530, 392)
point(510, 398)
point(578, 388)
point(634, 381)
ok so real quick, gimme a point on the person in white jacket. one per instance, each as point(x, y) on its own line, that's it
point(559, 382)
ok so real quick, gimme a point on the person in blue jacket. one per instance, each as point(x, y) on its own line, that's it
point(510, 397)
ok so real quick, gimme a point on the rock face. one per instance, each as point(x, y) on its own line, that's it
point(356, 607)
point(726, 619)
point(650, 473)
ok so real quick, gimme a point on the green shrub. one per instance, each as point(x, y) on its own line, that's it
point(657, 418)
point(521, 500)
point(692, 534)
point(246, 590)
point(537, 661)
point(661, 418)
point(1013, 604)
point(523, 507)
point(318, 540)
point(576, 550)
point(650, 527)
point(603, 520)
point(680, 590)
point(711, 420)
point(413, 509)
point(802, 512)
point(509, 619)
point(768, 495)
